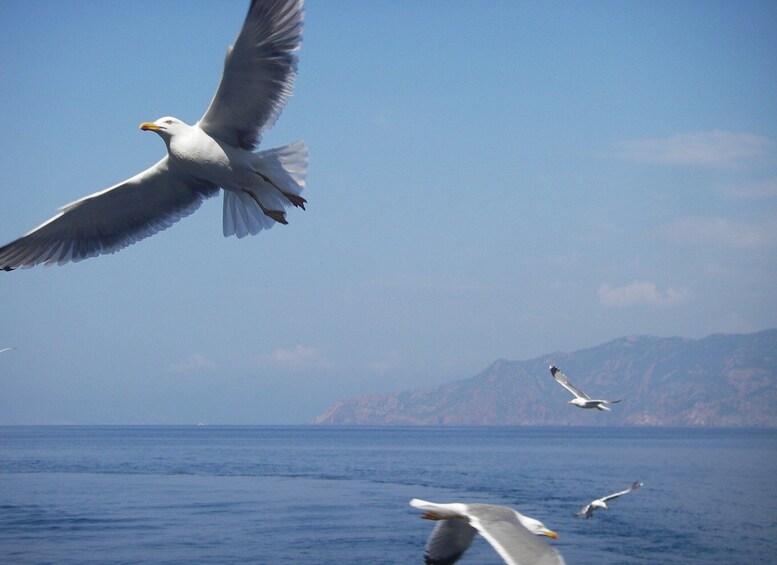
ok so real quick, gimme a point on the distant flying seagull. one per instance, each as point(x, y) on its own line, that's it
point(216, 152)
point(581, 400)
point(588, 510)
point(5, 349)
point(510, 533)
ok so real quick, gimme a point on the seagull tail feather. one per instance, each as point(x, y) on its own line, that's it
point(285, 168)
point(280, 180)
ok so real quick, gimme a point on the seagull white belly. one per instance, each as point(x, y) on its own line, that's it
point(201, 156)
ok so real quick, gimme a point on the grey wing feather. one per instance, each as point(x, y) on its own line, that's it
point(514, 543)
point(562, 379)
point(634, 486)
point(109, 220)
point(259, 72)
point(448, 542)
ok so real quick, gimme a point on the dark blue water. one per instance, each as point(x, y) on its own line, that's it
point(339, 495)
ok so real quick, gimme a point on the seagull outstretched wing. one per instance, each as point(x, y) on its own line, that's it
point(259, 72)
point(634, 486)
point(109, 220)
point(562, 379)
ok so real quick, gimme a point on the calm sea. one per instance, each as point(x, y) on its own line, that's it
point(336, 495)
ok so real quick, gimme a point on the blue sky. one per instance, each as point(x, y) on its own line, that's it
point(487, 180)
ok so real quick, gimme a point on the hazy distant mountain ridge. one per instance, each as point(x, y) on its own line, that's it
point(720, 380)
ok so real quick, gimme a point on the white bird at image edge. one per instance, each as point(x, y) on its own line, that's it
point(215, 153)
point(513, 535)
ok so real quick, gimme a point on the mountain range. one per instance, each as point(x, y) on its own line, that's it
point(720, 380)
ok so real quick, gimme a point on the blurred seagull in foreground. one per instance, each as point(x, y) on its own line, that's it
point(588, 510)
point(581, 400)
point(510, 533)
point(216, 152)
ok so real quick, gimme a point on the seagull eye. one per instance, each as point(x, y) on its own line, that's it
point(168, 121)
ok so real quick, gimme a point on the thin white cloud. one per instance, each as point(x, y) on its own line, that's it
point(381, 120)
point(734, 323)
point(719, 231)
point(385, 120)
point(758, 190)
point(568, 260)
point(385, 365)
point(300, 358)
point(401, 282)
point(639, 294)
point(194, 364)
point(713, 149)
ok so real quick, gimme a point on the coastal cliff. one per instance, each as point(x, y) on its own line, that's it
point(720, 380)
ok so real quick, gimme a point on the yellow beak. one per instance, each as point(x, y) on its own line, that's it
point(551, 534)
point(149, 126)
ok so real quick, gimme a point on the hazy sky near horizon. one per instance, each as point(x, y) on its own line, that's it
point(487, 180)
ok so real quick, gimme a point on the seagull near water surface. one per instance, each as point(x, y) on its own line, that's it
point(581, 399)
point(588, 510)
point(215, 153)
point(513, 535)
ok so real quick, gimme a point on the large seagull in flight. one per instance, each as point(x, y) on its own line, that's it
point(215, 153)
point(510, 533)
